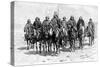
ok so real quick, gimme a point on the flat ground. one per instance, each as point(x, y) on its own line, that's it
point(29, 57)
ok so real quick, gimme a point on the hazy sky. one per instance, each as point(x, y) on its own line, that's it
point(30, 10)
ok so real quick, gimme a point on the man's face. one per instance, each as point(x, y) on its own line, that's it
point(47, 18)
point(90, 20)
point(64, 19)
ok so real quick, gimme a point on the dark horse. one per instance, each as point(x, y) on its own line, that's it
point(80, 30)
point(72, 35)
point(90, 31)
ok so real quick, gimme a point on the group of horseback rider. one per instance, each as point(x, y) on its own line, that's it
point(51, 35)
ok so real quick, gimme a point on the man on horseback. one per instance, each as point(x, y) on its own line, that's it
point(55, 25)
point(72, 32)
point(64, 22)
point(37, 23)
point(28, 26)
point(80, 29)
point(46, 29)
point(63, 32)
point(28, 32)
point(80, 21)
point(90, 30)
point(45, 24)
point(37, 28)
point(72, 22)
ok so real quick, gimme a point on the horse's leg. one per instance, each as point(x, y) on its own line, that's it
point(32, 44)
point(57, 47)
point(50, 46)
point(81, 43)
point(53, 47)
point(70, 45)
point(74, 45)
point(36, 47)
point(46, 47)
point(40, 47)
point(43, 46)
point(90, 41)
point(27, 45)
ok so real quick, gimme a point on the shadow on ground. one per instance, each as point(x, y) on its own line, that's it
point(50, 53)
point(42, 53)
point(22, 48)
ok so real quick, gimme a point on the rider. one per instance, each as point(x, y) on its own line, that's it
point(28, 32)
point(37, 27)
point(37, 23)
point(46, 28)
point(80, 21)
point(72, 21)
point(71, 26)
point(55, 25)
point(28, 26)
point(45, 24)
point(64, 23)
point(90, 29)
point(55, 22)
point(80, 29)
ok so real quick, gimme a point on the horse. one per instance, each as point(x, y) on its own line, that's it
point(38, 40)
point(81, 35)
point(90, 32)
point(81, 31)
point(64, 36)
point(52, 39)
point(45, 37)
point(72, 35)
point(28, 35)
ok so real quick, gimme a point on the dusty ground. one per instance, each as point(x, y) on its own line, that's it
point(29, 57)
